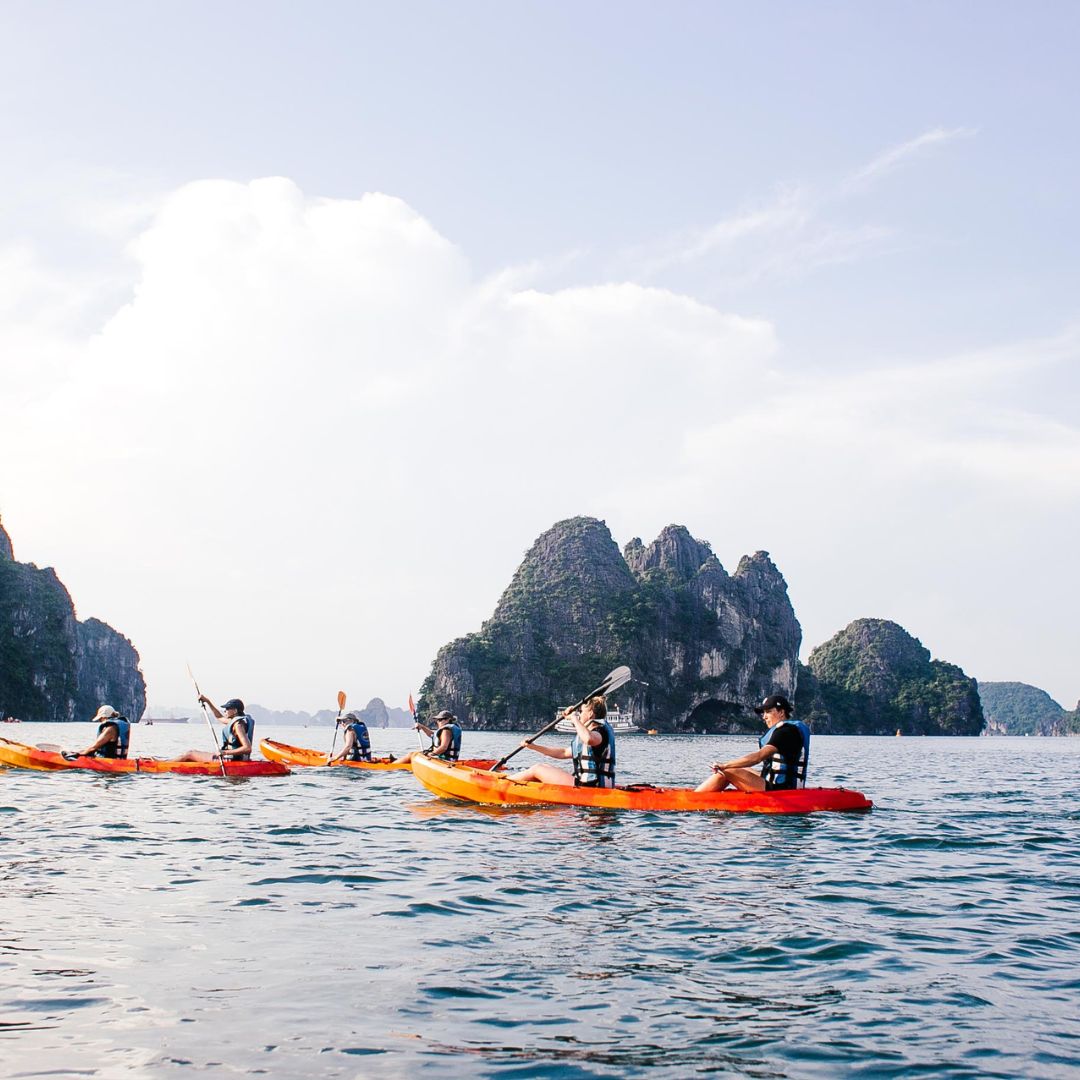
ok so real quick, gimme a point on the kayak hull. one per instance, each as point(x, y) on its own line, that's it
point(301, 755)
point(19, 756)
point(481, 786)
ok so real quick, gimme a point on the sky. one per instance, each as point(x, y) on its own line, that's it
point(313, 318)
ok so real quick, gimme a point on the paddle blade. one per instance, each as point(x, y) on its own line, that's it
point(615, 679)
point(340, 700)
point(412, 707)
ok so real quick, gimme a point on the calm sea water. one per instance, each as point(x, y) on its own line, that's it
point(340, 924)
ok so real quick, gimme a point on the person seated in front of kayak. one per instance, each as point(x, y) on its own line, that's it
point(445, 738)
point(357, 741)
point(237, 738)
point(592, 751)
point(783, 753)
point(113, 735)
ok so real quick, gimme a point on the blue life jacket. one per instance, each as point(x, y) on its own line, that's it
point(119, 747)
point(594, 766)
point(453, 751)
point(774, 770)
point(361, 749)
point(230, 740)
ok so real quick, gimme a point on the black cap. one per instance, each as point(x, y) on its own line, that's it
point(774, 701)
point(234, 703)
point(446, 714)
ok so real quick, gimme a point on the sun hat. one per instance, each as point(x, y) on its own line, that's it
point(106, 712)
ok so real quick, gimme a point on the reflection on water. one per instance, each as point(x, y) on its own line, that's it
point(337, 923)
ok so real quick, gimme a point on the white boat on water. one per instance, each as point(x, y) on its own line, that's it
point(622, 723)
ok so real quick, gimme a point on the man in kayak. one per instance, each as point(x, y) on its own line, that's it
point(592, 752)
point(357, 742)
point(113, 734)
point(783, 753)
point(236, 739)
point(445, 738)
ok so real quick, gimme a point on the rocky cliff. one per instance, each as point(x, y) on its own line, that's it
point(704, 645)
point(53, 667)
point(874, 678)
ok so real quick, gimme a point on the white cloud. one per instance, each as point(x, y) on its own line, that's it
point(890, 159)
point(313, 445)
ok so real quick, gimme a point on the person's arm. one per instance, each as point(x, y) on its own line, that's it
point(747, 761)
point(442, 744)
point(424, 728)
point(241, 734)
point(204, 700)
point(346, 746)
point(590, 736)
point(110, 734)
point(558, 752)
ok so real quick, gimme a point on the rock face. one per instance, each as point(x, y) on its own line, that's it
point(375, 713)
point(704, 645)
point(874, 678)
point(53, 667)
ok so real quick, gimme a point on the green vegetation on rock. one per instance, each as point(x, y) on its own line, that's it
point(874, 678)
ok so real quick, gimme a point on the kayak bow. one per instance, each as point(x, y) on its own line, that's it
point(458, 781)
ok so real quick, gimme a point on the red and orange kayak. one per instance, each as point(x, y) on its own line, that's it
point(300, 755)
point(451, 781)
point(19, 756)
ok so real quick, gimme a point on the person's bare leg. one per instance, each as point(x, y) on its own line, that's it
point(544, 774)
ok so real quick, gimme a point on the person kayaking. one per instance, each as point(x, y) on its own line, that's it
point(592, 751)
point(113, 735)
point(237, 738)
point(445, 738)
point(357, 744)
point(783, 753)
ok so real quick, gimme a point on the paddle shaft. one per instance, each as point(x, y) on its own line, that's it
point(612, 681)
point(337, 724)
point(209, 722)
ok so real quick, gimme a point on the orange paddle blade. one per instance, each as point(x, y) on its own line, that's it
point(412, 707)
point(340, 700)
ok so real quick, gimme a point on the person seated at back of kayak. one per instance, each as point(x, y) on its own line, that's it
point(592, 751)
point(236, 739)
point(445, 738)
point(783, 753)
point(113, 734)
point(357, 743)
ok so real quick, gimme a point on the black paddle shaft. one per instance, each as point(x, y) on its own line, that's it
point(612, 681)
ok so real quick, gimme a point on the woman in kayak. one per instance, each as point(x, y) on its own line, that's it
point(783, 753)
point(592, 752)
point(236, 739)
point(445, 738)
point(357, 742)
point(112, 735)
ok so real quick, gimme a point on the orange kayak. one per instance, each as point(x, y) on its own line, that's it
point(481, 786)
point(19, 756)
point(300, 755)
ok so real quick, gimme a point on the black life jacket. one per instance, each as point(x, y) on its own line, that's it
point(774, 770)
point(231, 741)
point(594, 766)
point(453, 751)
point(361, 748)
point(118, 748)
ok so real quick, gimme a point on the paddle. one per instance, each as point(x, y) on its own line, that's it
point(612, 681)
point(209, 722)
point(337, 723)
point(412, 709)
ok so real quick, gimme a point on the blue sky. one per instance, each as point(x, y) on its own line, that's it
point(841, 206)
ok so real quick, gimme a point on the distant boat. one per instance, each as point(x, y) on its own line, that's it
point(621, 723)
point(165, 719)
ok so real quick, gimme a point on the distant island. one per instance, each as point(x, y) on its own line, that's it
point(376, 714)
point(1015, 708)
